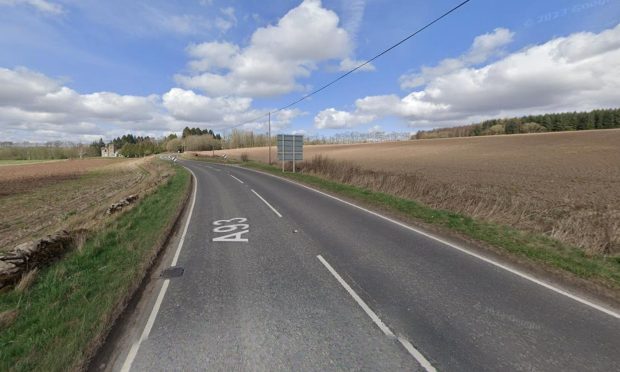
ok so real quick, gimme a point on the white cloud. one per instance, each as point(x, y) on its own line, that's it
point(333, 119)
point(152, 19)
point(188, 106)
point(43, 6)
point(375, 129)
point(484, 47)
point(106, 105)
point(38, 96)
point(228, 19)
point(229, 12)
point(348, 64)
point(212, 55)
point(19, 85)
point(279, 121)
point(574, 73)
point(38, 108)
point(275, 58)
point(353, 13)
point(257, 18)
point(183, 23)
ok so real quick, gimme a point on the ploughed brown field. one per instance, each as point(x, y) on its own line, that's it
point(38, 199)
point(565, 184)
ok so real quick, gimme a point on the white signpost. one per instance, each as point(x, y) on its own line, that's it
point(290, 148)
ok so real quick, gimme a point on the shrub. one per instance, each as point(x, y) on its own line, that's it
point(204, 142)
point(174, 145)
point(497, 129)
point(532, 128)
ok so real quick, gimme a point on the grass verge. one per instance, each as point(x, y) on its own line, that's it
point(536, 248)
point(23, 162)
point(58, 322)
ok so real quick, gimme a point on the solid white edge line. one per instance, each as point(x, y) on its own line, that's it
point(357, 298)
point(236, 178)
point(147, 329)
point(269, 205)
point(385, 329)
point(464, 250)
point(189, 218)
point(133, 352)
point(416, 354)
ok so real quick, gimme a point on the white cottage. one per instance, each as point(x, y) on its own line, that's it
point(109, 152)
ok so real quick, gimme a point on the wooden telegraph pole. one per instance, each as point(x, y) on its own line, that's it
point(269, 138)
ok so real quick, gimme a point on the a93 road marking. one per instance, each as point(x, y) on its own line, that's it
point(234, 226)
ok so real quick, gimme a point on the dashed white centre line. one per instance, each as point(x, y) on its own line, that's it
point(269, 205)
point(236, 178)
point(386, 330)
point(599, 307)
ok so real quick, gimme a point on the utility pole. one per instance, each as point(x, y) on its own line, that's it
point(269, 138)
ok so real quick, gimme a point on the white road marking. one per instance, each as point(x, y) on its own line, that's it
point(215, 169)
point(357, 298)
point(147, 329)
point(416, 354)
point(269, 205)
point(162, 292)
point(236, 178)
point(191, 211)
point(386, 330)
point(459, 248)
point(233, 236)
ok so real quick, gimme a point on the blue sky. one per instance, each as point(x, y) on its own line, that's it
point(78, 70)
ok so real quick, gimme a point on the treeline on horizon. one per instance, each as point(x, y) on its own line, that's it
point(48, 152)
point(128, 145)
point(567, 121)
point(131, 146)
point(193, 139)
point(196, 139)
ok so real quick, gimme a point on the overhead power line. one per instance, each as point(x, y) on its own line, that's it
point(356, 68)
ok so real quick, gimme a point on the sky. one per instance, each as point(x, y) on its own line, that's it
point(78, 70)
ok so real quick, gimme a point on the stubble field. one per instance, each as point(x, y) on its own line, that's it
point(37, 199)
point(566, 185)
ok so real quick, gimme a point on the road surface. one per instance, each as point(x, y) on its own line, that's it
point(280, 277)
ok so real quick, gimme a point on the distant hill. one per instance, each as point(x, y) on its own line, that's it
point(568, 121)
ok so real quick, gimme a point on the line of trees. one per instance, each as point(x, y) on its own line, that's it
point(204, 142)
point(131, 146)
point(128, 145)
point(187, 131)
point(48, 151)
point(568, 121)
point(45, 153)
point(140, 149)
point(194, 139)
point(242, 139)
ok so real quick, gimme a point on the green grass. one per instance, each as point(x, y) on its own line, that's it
point(537, 248)
point(72, 303)
point(22, 162)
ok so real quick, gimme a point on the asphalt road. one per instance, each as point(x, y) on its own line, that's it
point(323, 285)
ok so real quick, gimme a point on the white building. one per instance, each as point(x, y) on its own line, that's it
point(109, 152)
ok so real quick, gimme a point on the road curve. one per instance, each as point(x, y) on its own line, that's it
point(322, 285)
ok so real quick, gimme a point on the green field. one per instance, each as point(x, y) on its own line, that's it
point(23, 162)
